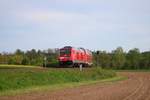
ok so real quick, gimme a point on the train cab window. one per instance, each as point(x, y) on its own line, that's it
point(65, 52)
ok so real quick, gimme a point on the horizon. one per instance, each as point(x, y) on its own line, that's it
point(95, 25)
point(45, 50)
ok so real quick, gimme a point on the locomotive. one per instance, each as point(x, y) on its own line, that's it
point(75, 56)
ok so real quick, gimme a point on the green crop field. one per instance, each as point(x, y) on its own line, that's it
point(17, 78)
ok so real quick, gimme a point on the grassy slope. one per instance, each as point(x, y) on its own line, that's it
point(23, 79)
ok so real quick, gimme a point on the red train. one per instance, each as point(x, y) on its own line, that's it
point(75, 56)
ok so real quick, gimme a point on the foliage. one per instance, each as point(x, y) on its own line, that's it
point(102, 59)
point(117, 59)
point(31, 57)
point(133, 59)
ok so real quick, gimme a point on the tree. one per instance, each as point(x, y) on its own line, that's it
point(32, 56)
point(15, 59)
point(25, 61)
point(118, 58)
point(19, 52)
point(133, 58)
point(4, 58)
point(96, 58)
point(104, 59)
point(145, 60)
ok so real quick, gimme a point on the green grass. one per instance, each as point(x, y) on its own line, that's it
point(13, 79)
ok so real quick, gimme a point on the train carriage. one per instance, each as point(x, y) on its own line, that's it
point(75, 56)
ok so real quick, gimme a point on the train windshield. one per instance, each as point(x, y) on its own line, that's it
point(65, 52)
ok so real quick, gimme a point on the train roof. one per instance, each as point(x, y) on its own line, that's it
point(80, 49)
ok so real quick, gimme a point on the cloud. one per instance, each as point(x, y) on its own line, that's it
point(59, 21)
point(44, 16)
point(76, 24)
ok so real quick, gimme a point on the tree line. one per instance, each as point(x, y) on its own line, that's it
point(30, 57)
point(117, 59)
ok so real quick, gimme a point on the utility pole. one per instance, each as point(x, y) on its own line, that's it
point(97, 60)
point(45, 59)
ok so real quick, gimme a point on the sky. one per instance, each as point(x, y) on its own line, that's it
point(92, 24)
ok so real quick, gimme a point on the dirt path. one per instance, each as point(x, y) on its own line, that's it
point(136, 87)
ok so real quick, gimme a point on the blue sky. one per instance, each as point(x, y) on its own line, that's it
point(93, 24)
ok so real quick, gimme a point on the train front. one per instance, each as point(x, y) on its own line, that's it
point(65, 56)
